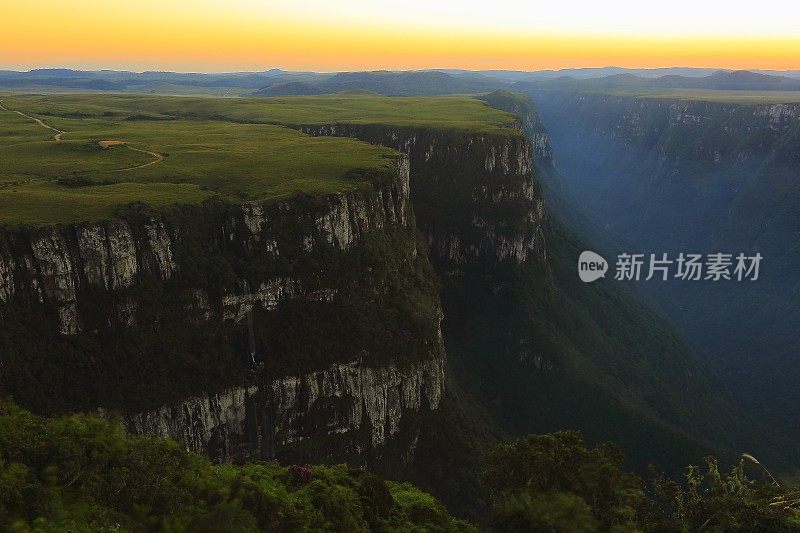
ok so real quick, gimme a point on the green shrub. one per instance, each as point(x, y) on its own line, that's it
point(81, 473)
point(555, 483)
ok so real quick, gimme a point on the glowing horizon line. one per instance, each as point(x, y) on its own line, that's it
point(290, 70)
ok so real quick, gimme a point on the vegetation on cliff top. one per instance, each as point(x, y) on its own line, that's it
point(79, 178)
point(169, 150)
point(80, 473)
point(440, 112)
point(120, 149)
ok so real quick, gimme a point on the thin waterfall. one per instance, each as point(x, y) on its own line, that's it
point(251, 334)
point(266, 440)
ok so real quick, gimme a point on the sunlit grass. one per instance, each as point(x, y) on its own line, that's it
point(232, 149)
point(441, 112)
point(45, 202)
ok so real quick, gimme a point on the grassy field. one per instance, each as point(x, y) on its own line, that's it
point(441, 112)
point(184, 150)
point(706, 95)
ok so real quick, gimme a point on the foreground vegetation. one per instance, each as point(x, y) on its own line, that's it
point(81, 473)
point(555, 483)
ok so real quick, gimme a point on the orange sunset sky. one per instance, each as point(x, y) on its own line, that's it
point(234, 35)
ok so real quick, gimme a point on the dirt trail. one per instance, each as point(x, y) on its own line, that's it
point(157, 158)
point(56, 137)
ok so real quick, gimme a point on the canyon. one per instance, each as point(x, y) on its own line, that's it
point(696, 174)
point(406, 323)
point(148, 283)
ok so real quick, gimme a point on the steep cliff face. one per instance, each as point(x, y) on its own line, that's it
point(483, 215)
point(52, 265)
point(529, 122)
point(344, 411)
point(310, 324)
point(474, 194)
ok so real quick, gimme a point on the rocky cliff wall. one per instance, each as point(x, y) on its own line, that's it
point(625, 156)
point(529, 123)
point(481, 208)
point(344, 411)
point(55, 264)
point(240, 330)
point(474, 194)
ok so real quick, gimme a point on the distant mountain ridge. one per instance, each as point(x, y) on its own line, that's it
point(125, 81)
point(392, 84)
point(736, 81)
point(277, 82)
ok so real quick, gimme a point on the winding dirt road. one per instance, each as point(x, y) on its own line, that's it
point(56, 137)
point(157, 158)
